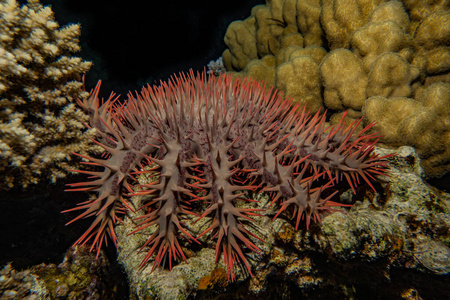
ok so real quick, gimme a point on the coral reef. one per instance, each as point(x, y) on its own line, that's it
point(423, 123)
point(338, 54)
point(387, 243)
point(209, 140)
point(80, 276)
point(40, 124)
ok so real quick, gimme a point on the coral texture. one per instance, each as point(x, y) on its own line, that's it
point(40, 124)
point(79, 276)
point(209, 140)
point(423, 123)
point(337, 54)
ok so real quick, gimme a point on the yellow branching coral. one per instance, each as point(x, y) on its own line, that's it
point(347, 55)
point(40, 126)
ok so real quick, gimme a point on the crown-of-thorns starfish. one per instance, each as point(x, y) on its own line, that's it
point(210, 139)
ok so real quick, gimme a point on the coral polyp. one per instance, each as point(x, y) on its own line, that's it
point(211, 140)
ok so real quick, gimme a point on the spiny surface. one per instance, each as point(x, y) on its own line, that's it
point(210, 139)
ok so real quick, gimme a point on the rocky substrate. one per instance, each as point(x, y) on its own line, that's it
point(392, 243)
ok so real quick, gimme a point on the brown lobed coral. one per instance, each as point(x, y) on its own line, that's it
point(338, 54)
point(208, 140)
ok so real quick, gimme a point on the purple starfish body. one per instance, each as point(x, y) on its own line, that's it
point(210, 139)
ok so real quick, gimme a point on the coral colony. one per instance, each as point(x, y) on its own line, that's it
point(211, 139)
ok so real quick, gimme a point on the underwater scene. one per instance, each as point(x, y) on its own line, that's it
point(278, 149)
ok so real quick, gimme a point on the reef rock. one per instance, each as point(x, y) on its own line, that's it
point(81, 275)
point(394, 243)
